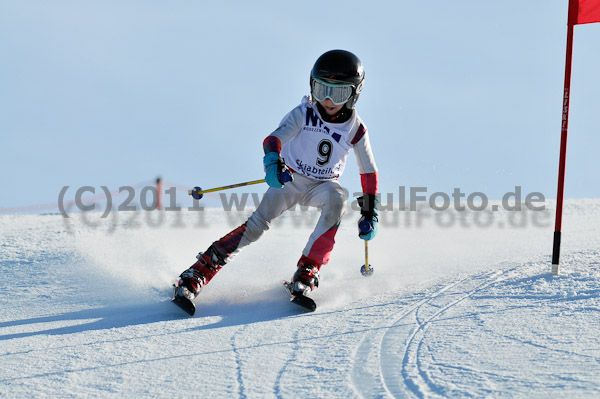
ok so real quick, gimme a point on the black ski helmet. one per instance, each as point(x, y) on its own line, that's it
point(340, 66)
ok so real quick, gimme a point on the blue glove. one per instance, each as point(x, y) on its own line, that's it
point(276, 173)
point(369, 221)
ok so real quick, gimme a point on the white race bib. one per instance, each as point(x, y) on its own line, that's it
point(320, 149)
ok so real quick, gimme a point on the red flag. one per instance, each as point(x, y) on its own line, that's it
point(584, 11)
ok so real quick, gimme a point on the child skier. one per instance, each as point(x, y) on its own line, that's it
point(312, 142)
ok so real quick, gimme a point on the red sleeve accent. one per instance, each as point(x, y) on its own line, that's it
point(360, 132)
point(369, 182)
point(272, 144)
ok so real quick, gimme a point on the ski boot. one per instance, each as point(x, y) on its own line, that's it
point(306, 278)
point(199, 274)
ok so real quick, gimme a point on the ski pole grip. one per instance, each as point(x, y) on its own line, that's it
point(365, 227)
point(285, 176)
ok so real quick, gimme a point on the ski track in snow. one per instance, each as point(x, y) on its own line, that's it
point(413, 371)
point(398, 349)
point(405, 361)
point(505, 330)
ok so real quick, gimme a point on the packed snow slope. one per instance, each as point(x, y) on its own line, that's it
point(454, 309)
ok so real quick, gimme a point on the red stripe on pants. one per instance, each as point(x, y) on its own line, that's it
point(320, 251)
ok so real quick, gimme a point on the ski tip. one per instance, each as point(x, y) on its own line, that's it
point(306, 303)
point(184, 303)
point(300, 300)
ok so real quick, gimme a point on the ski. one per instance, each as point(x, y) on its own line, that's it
point(183, 302)
point(299, 299)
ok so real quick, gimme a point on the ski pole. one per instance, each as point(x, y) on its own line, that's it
point(366, 269)
point(198, 193)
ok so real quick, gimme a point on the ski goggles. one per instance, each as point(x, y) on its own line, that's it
point(338, 93)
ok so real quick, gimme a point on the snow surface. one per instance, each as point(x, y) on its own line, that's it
point(458, 311)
